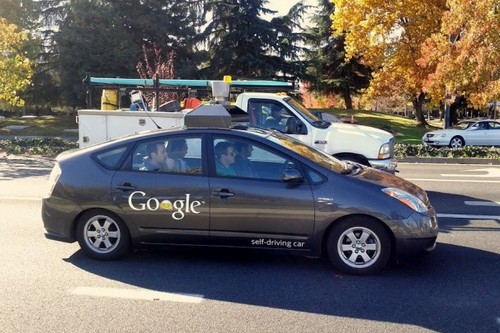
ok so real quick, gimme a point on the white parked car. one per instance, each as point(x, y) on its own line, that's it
point(468, 132)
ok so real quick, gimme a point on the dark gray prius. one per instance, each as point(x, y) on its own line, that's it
point(234, 188)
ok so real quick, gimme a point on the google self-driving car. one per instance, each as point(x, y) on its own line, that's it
point(291, 198)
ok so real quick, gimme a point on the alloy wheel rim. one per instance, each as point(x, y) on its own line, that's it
point(358, 247)
point(102, 234)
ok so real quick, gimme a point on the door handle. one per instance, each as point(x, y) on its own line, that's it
point(222, 194)
point(125, 187)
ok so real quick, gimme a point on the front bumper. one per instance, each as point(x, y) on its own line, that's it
point(387, 165)
point(417, 233)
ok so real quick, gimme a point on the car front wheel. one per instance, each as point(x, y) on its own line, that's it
point(102, 235)
point(359, 246)
point(457, 142)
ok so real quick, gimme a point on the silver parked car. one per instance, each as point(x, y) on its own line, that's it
point(467, 132)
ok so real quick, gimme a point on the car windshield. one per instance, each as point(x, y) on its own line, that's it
point(308, 115)
point(463, 125)
point(308, 152)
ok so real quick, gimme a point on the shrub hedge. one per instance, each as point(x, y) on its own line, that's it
point(54, 146)
point(36, 146)
point(407, 150)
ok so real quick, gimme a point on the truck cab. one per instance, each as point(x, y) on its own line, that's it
point(366, 145)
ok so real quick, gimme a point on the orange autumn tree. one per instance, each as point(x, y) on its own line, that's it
point(466, 52)
point(388, 36)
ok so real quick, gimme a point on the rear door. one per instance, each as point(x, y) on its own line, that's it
point(166, 206)
point(260, 210)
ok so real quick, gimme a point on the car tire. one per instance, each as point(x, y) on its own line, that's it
point(457, 142)
point(359, 246)
point(103, 235)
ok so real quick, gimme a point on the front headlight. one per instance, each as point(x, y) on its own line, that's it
point(408, 199)
point(384, 151)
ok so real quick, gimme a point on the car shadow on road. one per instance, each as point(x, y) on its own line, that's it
point(451, 290)
point(454, 204)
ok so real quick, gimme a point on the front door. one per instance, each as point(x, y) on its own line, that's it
point(258, 210)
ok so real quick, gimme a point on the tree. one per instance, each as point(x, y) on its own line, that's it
point(465, 52)
point(36, 18)
point(15, 68)
point(388, 37)
point(239, 39)
point(242, 43)
point(289, 40)
point(329, 71)
point(106, 38)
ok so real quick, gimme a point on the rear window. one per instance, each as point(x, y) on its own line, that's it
point(110, 159)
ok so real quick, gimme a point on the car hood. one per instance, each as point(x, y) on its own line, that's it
point(449, 131)
point(385, 179)
point(371, 132)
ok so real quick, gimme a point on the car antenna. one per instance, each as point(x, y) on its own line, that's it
point(136, 97)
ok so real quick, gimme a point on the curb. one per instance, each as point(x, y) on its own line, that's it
point(446, 160)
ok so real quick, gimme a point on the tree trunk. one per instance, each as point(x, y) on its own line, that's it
point(347, 98)
point(418, 103)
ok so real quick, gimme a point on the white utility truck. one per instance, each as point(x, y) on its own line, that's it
point(366, 145)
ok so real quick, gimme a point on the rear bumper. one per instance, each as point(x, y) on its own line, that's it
point(58, 216)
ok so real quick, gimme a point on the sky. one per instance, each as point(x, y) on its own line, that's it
point(282, 6)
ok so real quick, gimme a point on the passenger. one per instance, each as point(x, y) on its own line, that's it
point(157, 159)
point(224, 159)
point(177, 150)
point(243, 166)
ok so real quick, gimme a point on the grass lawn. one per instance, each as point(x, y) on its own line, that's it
point(39, 126)
point(405, 130)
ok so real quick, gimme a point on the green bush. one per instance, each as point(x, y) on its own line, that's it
point(36, 146)
point(407, 150)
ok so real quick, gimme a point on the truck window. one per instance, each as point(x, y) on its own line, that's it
point(268, 114)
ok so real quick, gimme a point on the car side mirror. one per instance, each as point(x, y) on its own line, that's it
point(293, 176)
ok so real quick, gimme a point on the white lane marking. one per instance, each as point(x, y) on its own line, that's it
point(470, 217)
point(482, 203)
point(453, 180)
point(490, 173)
point(139, 294)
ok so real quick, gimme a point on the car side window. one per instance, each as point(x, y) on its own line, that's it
point(268, 114)
point(238, 157)
point(176, 154)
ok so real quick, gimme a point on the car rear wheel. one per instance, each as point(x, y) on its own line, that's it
point(102, 235)
point(457, 142)
point(359, 246)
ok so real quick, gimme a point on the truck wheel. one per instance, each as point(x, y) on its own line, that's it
point(359, 246)
point(102, 235)
point(354, 158)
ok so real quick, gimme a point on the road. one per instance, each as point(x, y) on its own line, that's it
point(51, 286)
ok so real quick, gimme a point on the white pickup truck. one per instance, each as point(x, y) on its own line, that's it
point(363, 144)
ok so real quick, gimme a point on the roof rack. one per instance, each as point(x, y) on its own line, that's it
point(181, 85)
